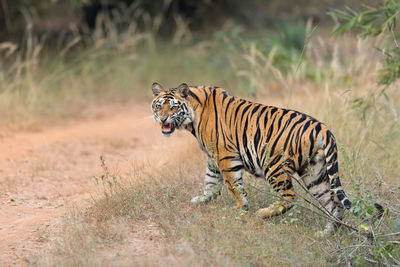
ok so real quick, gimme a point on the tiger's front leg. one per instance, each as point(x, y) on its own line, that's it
point(213, 182)
point(232, 174)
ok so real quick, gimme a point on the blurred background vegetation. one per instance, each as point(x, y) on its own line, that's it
point(59, 17)
point(57, 58)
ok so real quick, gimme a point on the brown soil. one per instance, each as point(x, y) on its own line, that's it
point(44, 173)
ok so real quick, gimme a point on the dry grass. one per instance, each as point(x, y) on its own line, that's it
point(39, 85)
point(214, 234)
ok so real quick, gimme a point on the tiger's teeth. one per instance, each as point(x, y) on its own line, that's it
point(167, 127)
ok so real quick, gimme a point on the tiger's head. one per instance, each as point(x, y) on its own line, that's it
point(170, 108)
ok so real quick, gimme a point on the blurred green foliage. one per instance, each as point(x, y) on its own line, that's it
point(203, 16)
point(380, 20)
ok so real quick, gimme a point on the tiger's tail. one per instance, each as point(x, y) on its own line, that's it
point(331, 158)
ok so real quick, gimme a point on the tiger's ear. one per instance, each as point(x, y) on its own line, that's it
point(183, 90)
point(157, 88)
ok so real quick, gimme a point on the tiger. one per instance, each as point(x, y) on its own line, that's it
point(273, 143)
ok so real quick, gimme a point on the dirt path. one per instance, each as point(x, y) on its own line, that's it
point(43, 173)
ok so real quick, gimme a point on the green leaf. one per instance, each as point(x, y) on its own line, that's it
point(341, 14)
point(369, 210)
point(374, 21)
point(348, 25)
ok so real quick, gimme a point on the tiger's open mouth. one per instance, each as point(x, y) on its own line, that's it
point(167, 128)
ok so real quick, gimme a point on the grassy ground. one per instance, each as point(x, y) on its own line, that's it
point(333, 80)
point(214, 234)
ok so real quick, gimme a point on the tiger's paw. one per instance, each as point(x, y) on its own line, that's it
point(202, 199)
point(265, 213)
point(275, 209)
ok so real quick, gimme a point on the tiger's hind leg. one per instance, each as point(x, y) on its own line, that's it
point(317, 181)
point(282, 183)
point(213, 183)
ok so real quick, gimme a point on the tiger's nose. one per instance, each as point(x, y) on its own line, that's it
point(163, 119)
